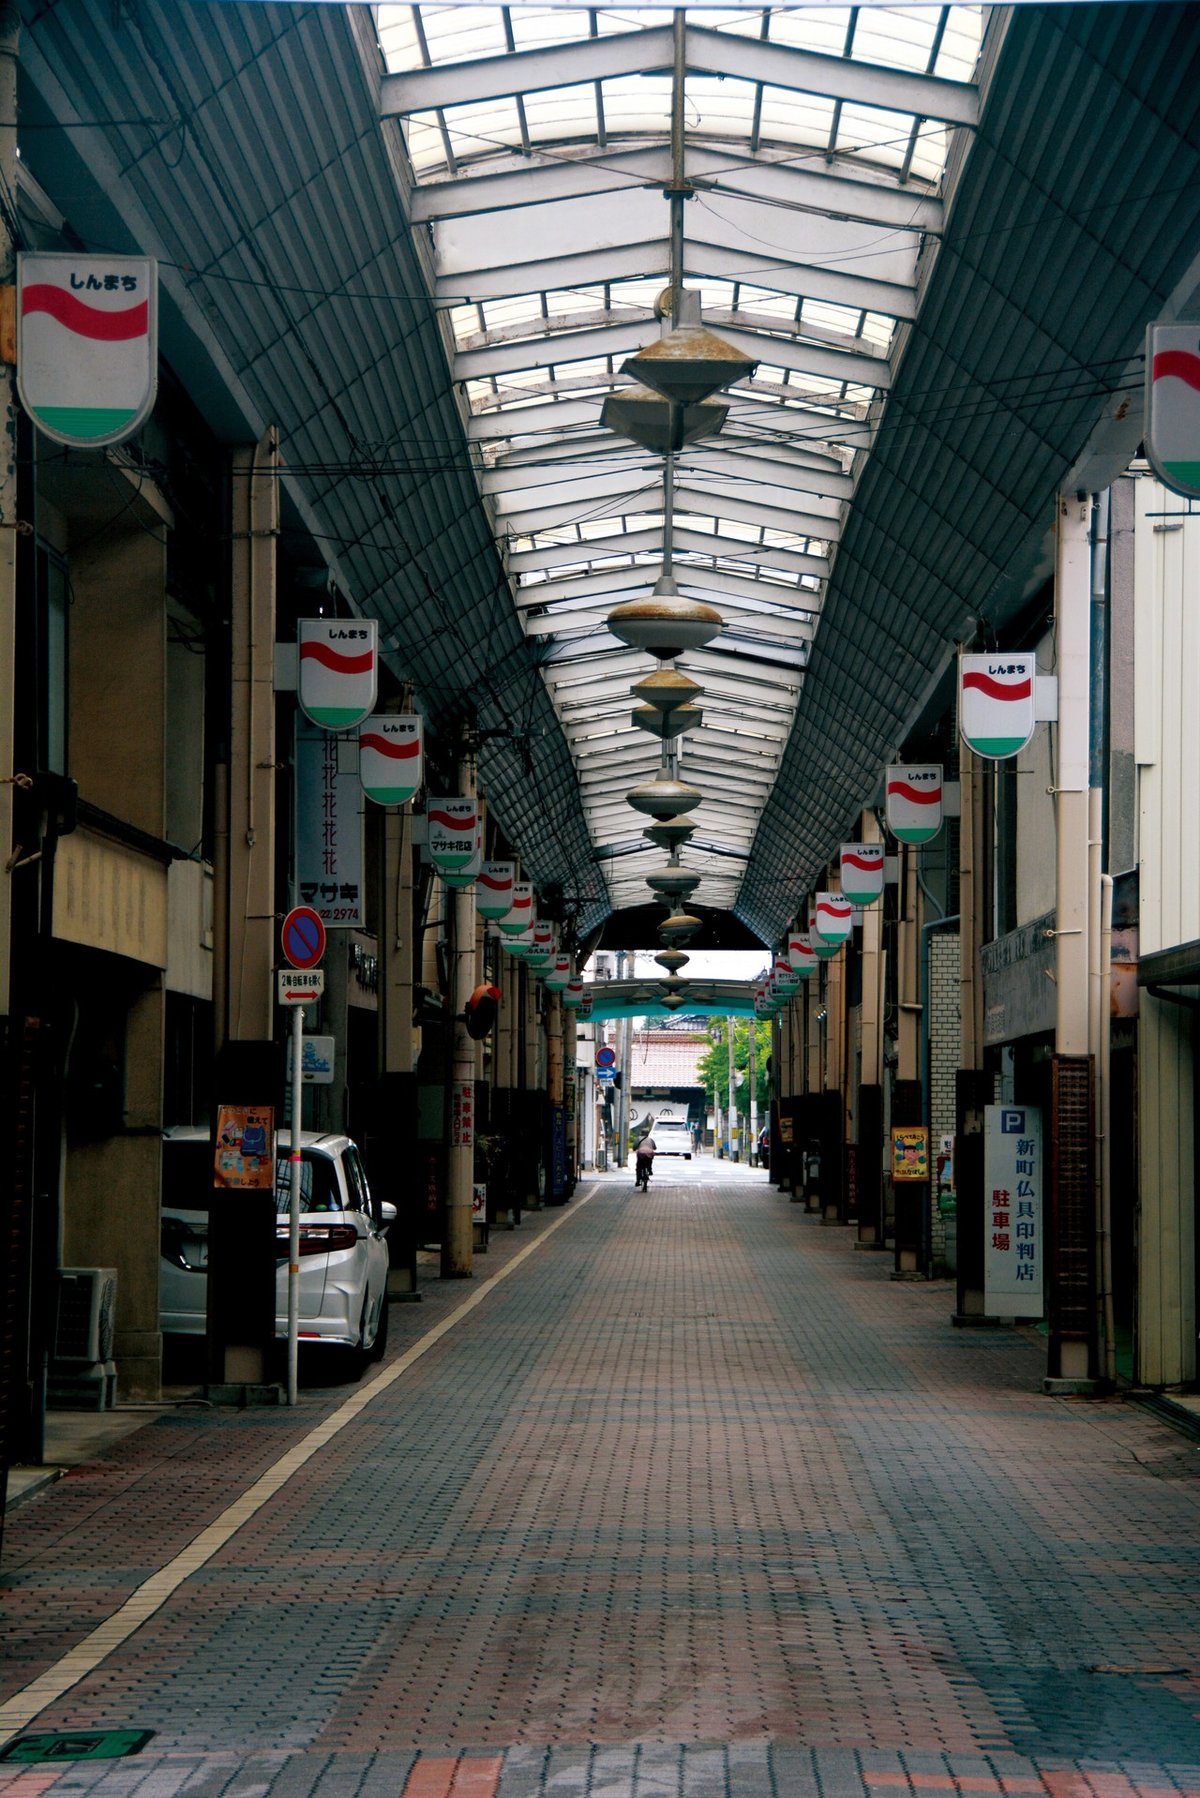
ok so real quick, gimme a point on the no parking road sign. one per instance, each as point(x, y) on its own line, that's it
point(606, 1056)
point(303, 937)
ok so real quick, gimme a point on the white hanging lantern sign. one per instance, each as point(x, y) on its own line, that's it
point(585, 1004)
point(87, 345)
point(800, 952)
point(996, 702)
point(520, 944)
point(545, 945)
point(559, 973)
point(519, 917)
point(493, 889)
point(1172, 438)
point(862, 871)
point(338, 671)
point(914, 801)
point(821, 946)
point(573, 995)
point(784, 975)
point(454, 836)
point(391, 760)
point(835, 917)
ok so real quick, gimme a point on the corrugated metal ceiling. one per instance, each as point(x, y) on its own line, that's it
point(243, 145)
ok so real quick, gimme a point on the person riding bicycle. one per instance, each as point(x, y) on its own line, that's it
point(643, 1162)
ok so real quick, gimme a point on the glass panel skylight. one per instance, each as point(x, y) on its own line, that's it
point(786, 270)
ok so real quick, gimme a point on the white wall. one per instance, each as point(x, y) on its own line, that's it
point(1035, 813)
point(1167, 753)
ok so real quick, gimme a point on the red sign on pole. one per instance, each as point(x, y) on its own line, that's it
point(303, 937)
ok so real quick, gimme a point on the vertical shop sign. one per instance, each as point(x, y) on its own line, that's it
point(1012, 1191)
point(329, 832)
point(462, 1114)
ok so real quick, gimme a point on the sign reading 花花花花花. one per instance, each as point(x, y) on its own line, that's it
point(87, 345)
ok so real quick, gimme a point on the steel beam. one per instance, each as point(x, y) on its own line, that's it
point(611, 221)
point(704, 259)
point(529, 71)
point(708, 52)
point(515, 181)
point(566, 555)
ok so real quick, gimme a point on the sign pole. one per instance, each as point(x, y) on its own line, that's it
point(303, 941)
point(293, 1325)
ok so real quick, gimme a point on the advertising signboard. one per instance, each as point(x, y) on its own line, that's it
point(1012, 1194)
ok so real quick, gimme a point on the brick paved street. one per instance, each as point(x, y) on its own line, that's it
point(696, 1501)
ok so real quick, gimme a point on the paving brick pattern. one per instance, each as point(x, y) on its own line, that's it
point(697, 1502)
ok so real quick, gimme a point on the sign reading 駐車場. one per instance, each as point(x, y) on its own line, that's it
point(1012, 1211)
point(87, 345)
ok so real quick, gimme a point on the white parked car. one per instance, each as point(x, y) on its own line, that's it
point(672, 1137)
point(343, 1251)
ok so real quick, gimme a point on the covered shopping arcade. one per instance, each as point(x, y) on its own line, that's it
point(410, 263)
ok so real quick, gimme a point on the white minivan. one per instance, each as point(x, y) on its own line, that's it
point(343, 1248)
point(672, 1137)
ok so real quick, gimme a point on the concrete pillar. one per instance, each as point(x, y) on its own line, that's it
point(458, 1237)
point(1071, 1360)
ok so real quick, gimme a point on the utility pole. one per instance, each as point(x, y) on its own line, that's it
point(752, 1077)
point(458, 1241)
point(625, 962)
point(733, 1116)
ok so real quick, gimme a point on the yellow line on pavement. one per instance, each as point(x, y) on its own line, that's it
point(19, 1711)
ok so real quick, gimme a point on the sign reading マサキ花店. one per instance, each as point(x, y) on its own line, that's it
point(87, 345)
point(1012, 1217)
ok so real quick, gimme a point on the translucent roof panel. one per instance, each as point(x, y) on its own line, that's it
point(815, 142)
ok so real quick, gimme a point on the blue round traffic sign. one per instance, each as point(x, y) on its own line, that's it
point(303, 937)
point(606, 1056)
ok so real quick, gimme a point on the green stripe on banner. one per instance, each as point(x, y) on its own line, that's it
point(997, 745)
point(1188, 473)
point(85, 421)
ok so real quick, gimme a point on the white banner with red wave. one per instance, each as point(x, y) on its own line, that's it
point(338, 670)
point(914, 801)
point(87, 345)
point(391, 758)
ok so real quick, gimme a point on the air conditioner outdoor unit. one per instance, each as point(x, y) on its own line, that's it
point(82, 1372)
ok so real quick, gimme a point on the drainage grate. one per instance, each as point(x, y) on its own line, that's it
point(86, 1745)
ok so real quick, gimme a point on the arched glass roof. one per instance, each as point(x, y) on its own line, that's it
point(539, 143)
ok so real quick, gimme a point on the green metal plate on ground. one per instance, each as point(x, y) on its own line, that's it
point(84, 1745)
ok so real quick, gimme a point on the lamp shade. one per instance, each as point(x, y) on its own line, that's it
point(688, 364)
point(663, 623)
point(667, 725)
point(669, 833)
point(664, 797)
point(645, 416)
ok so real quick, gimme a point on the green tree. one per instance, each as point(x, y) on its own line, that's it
point(713, 1066)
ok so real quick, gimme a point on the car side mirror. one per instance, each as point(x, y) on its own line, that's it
point(387, 1214)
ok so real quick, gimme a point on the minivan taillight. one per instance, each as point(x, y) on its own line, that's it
point(320, 1239)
